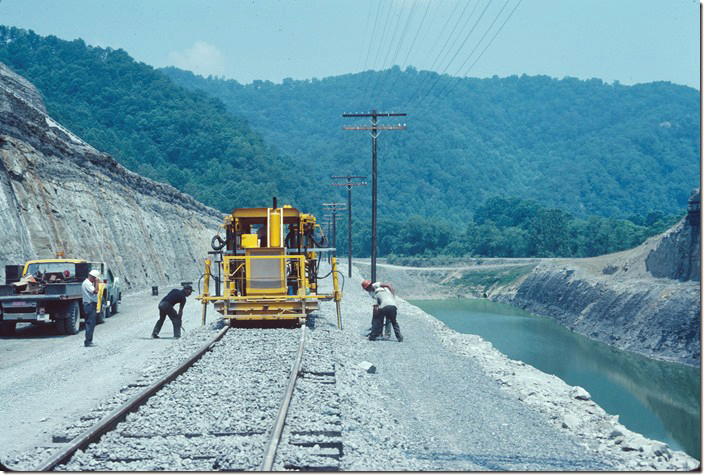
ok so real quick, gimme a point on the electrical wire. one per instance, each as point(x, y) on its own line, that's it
point(445, 91)
point(366, 35)
point(388, 51)
point(459, 35)
point(459, 19)
point(427, 94)
point(400, 43)
point(370, 91)
point(415, 38)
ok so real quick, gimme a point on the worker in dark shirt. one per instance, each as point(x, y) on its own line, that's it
point(166, 307)
point(291, 240)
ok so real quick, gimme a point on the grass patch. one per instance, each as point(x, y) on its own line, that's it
point(438, 261)
point(490, 277)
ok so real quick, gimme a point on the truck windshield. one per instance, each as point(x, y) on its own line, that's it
point(62, 270)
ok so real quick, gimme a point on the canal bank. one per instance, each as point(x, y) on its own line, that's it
point(645, 300)
point(431, 384)
point(657, 399)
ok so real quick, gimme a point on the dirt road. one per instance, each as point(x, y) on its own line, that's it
point(48, 379)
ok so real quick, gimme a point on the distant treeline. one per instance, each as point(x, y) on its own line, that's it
point(505, 227)
point(586, 147)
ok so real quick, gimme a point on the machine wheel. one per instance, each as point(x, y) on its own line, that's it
point(114, 307)
point(8, 328)
point(72, 322)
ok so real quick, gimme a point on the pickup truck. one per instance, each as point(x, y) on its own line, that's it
point(49, 291)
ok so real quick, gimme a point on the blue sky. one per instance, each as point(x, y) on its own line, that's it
point(630, 41)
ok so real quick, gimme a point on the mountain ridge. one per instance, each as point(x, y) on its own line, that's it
point(602, 149)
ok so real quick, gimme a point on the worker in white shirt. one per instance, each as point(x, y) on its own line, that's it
point(90, 304)
point(384, 295)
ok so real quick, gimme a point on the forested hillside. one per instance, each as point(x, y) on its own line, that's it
point(517, 166)
point(587, 147)
point(152, 126)
point(504, 227)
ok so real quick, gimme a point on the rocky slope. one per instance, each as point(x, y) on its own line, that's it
point(57, 193)
point(646, 300)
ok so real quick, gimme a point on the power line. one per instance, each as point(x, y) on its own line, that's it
point(458, 50)
point(388, 51)
point(367, 91)
point(401, 40)
point(420, 27)
point(459, 35)
point(369, 50)
point(444, 94)
point(366, 35)
point(334, 207)
point(424, 81)
point(405, 61)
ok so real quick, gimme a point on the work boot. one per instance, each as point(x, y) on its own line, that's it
point(154, 335)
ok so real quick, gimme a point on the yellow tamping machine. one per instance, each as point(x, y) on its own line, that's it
point(269, 267)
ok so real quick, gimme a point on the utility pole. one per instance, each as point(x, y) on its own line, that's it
point(349, 186)
point(375, 129)
point(334, 207)
point(327, 225)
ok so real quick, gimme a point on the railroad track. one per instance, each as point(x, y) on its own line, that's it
point(225, 408)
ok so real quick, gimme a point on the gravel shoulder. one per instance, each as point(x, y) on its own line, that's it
point(50, 381)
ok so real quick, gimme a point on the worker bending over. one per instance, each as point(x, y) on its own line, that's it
point(384, 295)
point(166, 307)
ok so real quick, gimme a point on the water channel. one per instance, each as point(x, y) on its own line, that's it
point(659, 400)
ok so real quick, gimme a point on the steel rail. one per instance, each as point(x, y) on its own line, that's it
point(275, 435)
point(109, 422)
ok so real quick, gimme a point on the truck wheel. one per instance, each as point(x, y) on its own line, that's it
point(114, 307)
point(72, 322)
point(8, 328)
point(102, 315)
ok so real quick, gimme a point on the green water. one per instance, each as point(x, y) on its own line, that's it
point(659, 400)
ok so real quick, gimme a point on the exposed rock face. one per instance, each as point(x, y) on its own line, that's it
point(679, 255)
point(646, 300)
point(57, 193)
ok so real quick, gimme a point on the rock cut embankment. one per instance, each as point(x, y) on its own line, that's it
point(57, 193)
point(646, 300)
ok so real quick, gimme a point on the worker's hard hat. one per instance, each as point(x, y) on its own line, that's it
point(188, 287)
point(366, 283)
point(95, 273)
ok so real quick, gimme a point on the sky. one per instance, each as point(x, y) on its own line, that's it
point(630, 41)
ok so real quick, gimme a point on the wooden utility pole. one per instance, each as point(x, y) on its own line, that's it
point(349, 186)
point(334, 207)
point(327, 226)
point(375, 129)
